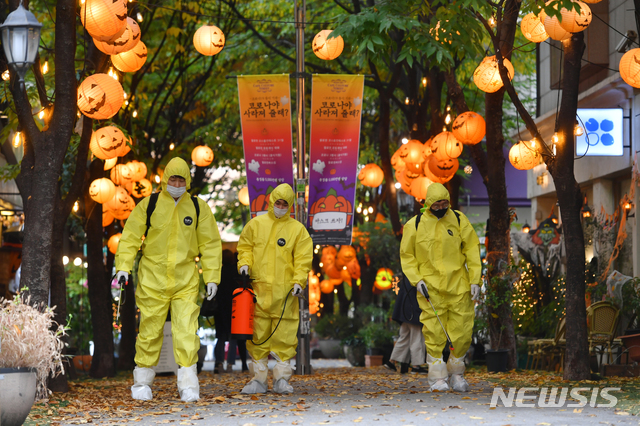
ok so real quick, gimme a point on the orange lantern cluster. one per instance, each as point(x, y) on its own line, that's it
point(326, 48)
point(487, 76)
point(340, 266)
point(371, 175)
point(209, 40)
point(314, 293)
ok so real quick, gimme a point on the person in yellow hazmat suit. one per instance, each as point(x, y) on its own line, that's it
point(276, 250)
point(168, 277)
point(440, 254)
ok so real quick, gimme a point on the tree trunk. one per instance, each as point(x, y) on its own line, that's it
point(570, 200)
point(384, 124)
point(103, 363)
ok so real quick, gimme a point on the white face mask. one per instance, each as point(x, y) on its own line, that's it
point(176, 192)
point(279, 212)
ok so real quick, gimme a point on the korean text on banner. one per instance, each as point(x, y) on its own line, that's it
point(265, 114)
point(336, 106)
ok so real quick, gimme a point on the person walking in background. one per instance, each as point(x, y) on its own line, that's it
point(440, 255)
point(410, 347)
point(276, 250)
point(222, 316)
point(176, 229)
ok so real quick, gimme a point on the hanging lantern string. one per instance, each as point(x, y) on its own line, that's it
point(583, 60)
point(219, 17)
point(586, 135)
point(623, 35)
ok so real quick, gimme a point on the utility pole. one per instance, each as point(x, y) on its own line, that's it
point(303, 356)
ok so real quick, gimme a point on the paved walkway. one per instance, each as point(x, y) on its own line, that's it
point(334, 395)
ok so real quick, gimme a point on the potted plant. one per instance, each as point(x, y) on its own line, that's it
point(354, 350)
point(378, 339)
point(331, 329)
point(30, 351)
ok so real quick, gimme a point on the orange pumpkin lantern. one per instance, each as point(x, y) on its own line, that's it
point(125, 147)
point(332, 271)
point(107, 218)
point(202, 156)
point(353, 267)
point(121, 174)
point(384, 279)
point(554, 29)
point(329, 254)
point(443, 169)
point(100, 96)
point(445, 146)
point(209, 40)
point(533, 29)
point(124, 42)
point(124, 208)
point(524, 155)
point(326, 286)
point(325, 48)
point(102, 190)
point(104, 18)
point(110, 162)
point(113, 242)
point(630, 68)
point(106, 142)
point(345, 255)
point(138, 170)
point(419, 187)
point(574, 21)
point(396, 162)
point(469, 128)
point(371, 175)
point(345, 276)
point(426, 149)
point(487, 76)
point(243, 196)
point(131, 60)
point(404, 180)
point(141, 188)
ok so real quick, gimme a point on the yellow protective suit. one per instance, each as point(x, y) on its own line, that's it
point(446, 256)
point(168, 274)
point(278, 253)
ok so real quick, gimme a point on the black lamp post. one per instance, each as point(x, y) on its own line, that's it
point(20, 40)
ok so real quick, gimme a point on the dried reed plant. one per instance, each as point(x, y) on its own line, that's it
point(31, 338)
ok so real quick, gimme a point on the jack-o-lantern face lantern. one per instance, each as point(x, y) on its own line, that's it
point(141, 188)
point(396, 162)
point(335, 208)
point(326, 286)
point(202, 156)
point(121, 205)
point(138, 170)
point(131, 60)
point(209, 40)
point(327, 48)
point(533, 29)
point(100, 96)
point(121, 174)
point(524, 155)
point(329, 254)
point(413, 159)
point(371, 175)
point(107, 218)
point(445, 146)
point(104, 19)
point(332, 270)
point(469, 128)
point(124, 42)
point(443, 168)
point(419, 187)
point(345, 255)
point(384, 279)
point(405, 184)
point(487, 76)
point(106, 142)
point(575, 22)
point(426, 150)
point(102, 190)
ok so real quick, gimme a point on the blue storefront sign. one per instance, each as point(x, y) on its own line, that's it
point(603, 132)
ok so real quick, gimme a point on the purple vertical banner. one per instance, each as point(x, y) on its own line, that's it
point(265, 114)
point(336, 106)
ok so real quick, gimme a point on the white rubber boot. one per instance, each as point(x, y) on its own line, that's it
point(456, 367)
point(281, 374)
point(437, 374)
point(260, 370)
point(142, 379)
point(188, 386)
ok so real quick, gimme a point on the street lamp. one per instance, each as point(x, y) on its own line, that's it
point(20, 40)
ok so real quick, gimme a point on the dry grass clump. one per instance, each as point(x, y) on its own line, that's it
point(31, 338)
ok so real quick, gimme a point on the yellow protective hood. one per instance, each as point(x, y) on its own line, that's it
point(435, 192)
point(282, 192)
point(176, 167)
